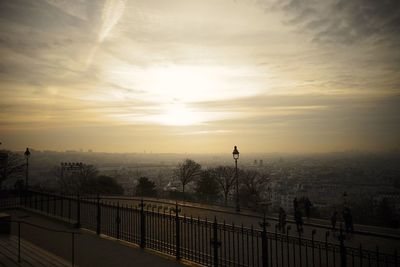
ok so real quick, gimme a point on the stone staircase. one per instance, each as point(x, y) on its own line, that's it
point(31, 255)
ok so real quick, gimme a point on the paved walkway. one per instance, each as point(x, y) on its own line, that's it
point(31, 255)
point(90, 249)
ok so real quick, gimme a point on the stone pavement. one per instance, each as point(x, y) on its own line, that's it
point(90, 249)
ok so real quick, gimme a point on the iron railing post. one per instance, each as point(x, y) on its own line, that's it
point(326, 247)
point(98, 226)
point(73, 249)
point(377, 256)
point(69, 207)
point(35, 201)
point(288, 228)
point(19, 241)
point(264, 243)
point(343, 256)
point(142, 225)
point(312, 244)
point(62, 205)
point(300, 254)
point(21, 196)
point(55, 204)
point(26, 196)
point(215, 242)
point(177, 232)
point(118, 221)
point(78, 211)
point(41, 201)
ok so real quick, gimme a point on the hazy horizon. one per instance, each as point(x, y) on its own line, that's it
point(178, 76)
point(224, 153)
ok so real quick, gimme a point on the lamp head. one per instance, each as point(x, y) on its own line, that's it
point(235, 153)
point(27, 153)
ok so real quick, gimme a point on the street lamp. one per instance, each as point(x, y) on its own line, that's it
point(27, 154)
point(235, 155)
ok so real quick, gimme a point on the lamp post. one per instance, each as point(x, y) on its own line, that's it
point(27, 154)
point(235, 155)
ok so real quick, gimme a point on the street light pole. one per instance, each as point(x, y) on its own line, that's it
point(27, 154)
point(235, 155)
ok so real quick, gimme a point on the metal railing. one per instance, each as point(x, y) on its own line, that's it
point(20, 223)
point(203, 241)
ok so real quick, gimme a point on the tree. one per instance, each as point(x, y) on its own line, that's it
point(146, 188)
point(12, 165)
point(253, 187)
point(187, 172)
point(101, 185)
point(386, 215)
point(76, 181)
point(207, 186)
point(225, 177)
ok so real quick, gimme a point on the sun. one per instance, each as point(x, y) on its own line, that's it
point(178, 95)
point(179, 115)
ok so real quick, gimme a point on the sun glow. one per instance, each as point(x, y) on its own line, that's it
point(179, 115)
point(173, 91)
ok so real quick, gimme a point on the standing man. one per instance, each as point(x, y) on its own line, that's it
point(298, 217)
point(307, 207)
point(334, 220)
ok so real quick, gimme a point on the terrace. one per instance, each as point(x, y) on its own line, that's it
point(161, 228)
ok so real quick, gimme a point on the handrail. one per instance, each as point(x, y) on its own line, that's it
point(42, 227)
point(19, 222)
point(139, 217)
point(246, 214)
point(311, 224)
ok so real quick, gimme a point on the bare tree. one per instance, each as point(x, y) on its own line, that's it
point(225, 176)
point(72, 182)
point(11, 165)
point(253, 185)
point(187, 172)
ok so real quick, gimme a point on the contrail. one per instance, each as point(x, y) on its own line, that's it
point(112, 12)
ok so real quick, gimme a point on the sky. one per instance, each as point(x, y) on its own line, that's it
point(200, 76)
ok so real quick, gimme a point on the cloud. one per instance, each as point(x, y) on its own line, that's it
point(343, 21)
point(311, 67)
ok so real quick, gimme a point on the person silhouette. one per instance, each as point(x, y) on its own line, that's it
point(348, 220)
point(298, 217)
point(334, 219)
point(282, 219)
point(295, 204)
point(307, 207)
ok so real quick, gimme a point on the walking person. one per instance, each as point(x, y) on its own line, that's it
point(334, 220)
point(307, 207)
point(282, 219)
point(348, 220)
point(295, 204)
point(298, 217)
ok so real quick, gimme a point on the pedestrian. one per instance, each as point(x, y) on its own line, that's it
point(307, 207)
point(334, 219)
point(348, 220)
point(282, 219)
point(298, 217)
point(295, 204)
